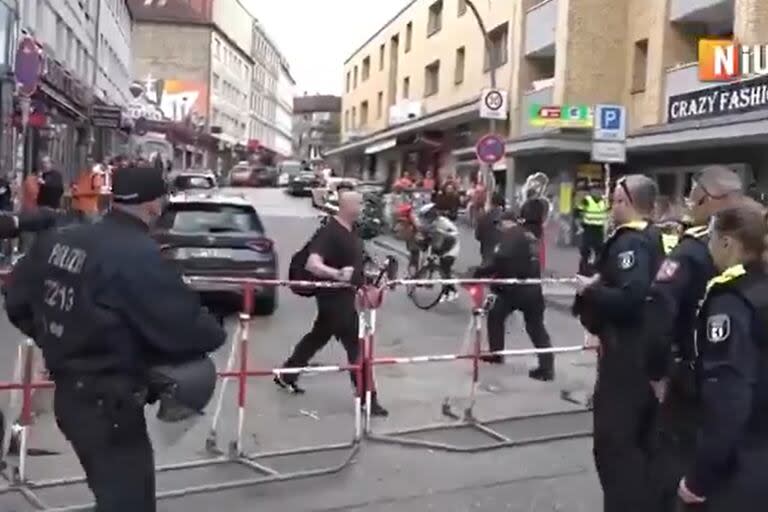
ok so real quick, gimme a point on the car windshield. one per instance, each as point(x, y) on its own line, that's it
point(210, 218)
point(186, 182)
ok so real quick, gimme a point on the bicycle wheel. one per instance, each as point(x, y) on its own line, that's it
point(428, 296)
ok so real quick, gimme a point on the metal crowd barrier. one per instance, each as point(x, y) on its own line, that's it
point(238, 369)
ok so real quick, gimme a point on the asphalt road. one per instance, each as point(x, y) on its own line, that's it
point(554, 476)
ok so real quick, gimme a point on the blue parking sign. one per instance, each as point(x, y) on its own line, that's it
point(610, 118)
point(611, 123)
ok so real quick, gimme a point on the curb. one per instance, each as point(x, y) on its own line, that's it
point(560, 306)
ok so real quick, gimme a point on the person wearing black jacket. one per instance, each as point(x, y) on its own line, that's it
point(487, 229)
point(104, 306)
point(516, 256)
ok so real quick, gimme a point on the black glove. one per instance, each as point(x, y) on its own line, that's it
point(39, 220)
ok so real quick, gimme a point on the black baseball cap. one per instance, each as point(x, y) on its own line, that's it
point(138, 184)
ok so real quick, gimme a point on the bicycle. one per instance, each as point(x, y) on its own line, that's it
point(427, 268)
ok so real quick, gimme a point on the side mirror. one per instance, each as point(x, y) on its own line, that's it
point(392, 268)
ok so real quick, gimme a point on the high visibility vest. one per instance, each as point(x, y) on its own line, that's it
point(594, 213)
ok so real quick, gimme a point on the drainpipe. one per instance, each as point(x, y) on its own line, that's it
point(94, 76)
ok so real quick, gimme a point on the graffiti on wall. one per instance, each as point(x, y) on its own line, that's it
point(169, 100)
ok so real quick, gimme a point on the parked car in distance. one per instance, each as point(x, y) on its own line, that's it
point(301, 185)
point(287, 169)
point(248, 175)
point(192, 180)
point(219, 235)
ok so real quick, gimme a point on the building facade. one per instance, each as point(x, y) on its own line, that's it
point(86, 51)
point(286, 87)
point(411, 92)
point(317, 128)
point(269, 97)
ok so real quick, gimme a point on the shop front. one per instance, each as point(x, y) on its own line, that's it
point(726, 124)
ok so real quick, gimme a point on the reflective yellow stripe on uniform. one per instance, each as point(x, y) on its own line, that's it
point(669, 242)
point(728, 274)
point(594, 213)
point(697, 231)
point(637, 225)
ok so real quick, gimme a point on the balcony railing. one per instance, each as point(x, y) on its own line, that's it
point(540, 26)
point(701, 11)
point(541, 97)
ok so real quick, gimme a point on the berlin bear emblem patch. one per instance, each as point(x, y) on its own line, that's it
point(718, 328)
point(626, 260)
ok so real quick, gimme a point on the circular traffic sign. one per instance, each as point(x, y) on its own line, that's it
point(29, 66)
point(490, 149)
point(494, 100)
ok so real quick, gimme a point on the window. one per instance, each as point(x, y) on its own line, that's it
point(497, 55)
point(354, 77)
point(348, 80)
point(364, 113)
point(432, 79)
point(217, 48)
point(640, 66)
point(366, 68)
point(462, 8)
point(408, 36)
point(354, 118)
point(458, 76)
point(435, 21)
point(406, 87)
point(381, 57)
point(379, 104)
point(215, 82)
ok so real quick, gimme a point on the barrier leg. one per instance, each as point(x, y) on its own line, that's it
point(477, 348)
point(368, 368)
point(26, 410)
point(211, 442)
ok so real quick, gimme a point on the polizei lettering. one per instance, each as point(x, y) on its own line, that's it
point(722, 100)
point(70, 259)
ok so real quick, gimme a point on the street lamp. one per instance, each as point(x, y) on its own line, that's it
point(490, 182)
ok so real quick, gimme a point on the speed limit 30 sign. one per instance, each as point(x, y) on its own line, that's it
point(494, 104)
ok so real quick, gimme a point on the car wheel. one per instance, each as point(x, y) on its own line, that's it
point(265, 305)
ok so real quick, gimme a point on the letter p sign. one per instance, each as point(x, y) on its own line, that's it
point(611, 120)
point(610, 123)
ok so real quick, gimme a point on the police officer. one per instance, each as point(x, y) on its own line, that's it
point(609, 301)
point(517, 256)
point(729, 471)
point(674, 299)
point(487, 229)
point(593, 216)
point(104, 306)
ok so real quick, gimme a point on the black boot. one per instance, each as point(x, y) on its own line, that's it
point(376, 408)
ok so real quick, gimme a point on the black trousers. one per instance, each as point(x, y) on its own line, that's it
point(336, 317)
point(591, 245)
point(109, 435)
point(531, 303)
point(624, 424)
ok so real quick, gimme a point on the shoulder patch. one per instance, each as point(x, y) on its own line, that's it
point(626, 260)
point(667, 271)
point(718, 328)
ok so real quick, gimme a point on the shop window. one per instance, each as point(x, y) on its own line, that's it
point(432, 79)
point(640, 66)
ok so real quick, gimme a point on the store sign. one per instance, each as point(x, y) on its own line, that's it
point(560, 116)
point(732, 98)
point(104, 116)
point(58, 77)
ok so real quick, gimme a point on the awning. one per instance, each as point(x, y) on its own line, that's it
point(69, 108)
point(381, 146)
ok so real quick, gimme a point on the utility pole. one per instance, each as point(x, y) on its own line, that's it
point(490, 182)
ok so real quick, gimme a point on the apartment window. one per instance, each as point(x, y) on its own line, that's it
point(435, 21)
point(381, 57)
point(458, 76)
point(348, 79)
point(640, 66)
point(217, 48)
point(462, 8)
point(379, 105)
point(366, 68)
point(408, 36)
point(406, 87)
point(432, 79)
point(364, 113)
point(215, 82)
point(354, 118)
point(354, 77)
point(497, 55)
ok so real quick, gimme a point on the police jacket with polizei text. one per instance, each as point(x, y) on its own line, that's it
point(732, 374)
point(674, 300)
point(100, 299)
point(627, 264)
point(515, 257)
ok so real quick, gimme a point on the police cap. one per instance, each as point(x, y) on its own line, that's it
point(138, 184)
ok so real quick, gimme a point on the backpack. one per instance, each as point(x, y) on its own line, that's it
point(297, 270)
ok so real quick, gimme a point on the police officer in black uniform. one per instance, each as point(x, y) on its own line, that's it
point(624, 404)
point(729, 471)
point(673, 302)
point(517, 257)
point(104, 306)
